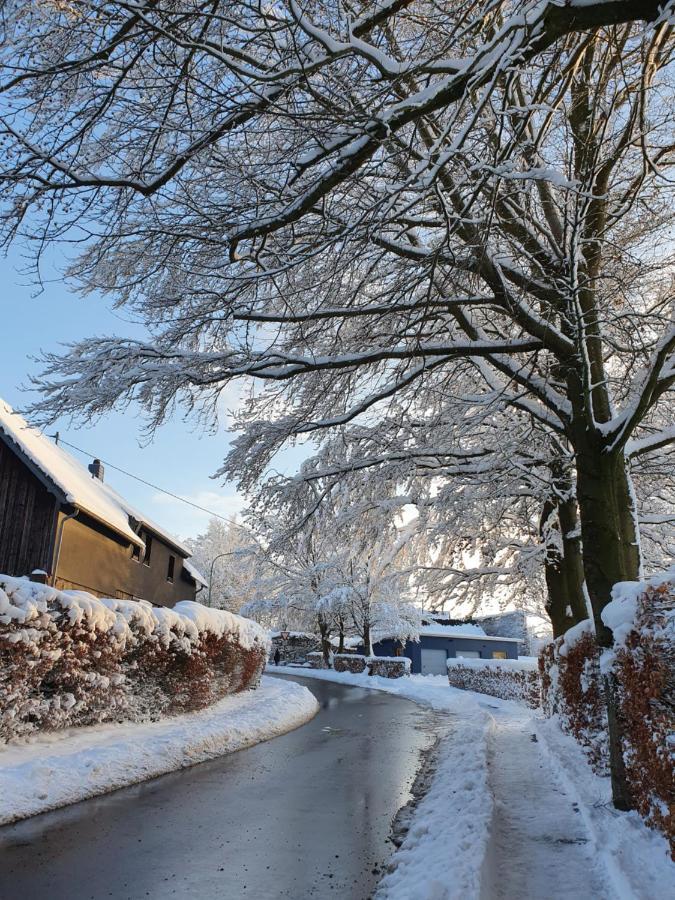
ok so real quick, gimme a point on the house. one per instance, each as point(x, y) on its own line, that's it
point(60, 517)
point(437, 643)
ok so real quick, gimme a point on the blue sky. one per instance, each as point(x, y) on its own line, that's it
point(180, 458)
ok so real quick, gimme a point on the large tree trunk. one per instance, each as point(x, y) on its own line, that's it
point(611, 551)
point(341, 635)
point(611, 545)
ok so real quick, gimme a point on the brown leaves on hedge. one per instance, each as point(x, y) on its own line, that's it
point(56, 674)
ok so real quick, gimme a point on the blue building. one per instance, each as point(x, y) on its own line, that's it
point(438, 643)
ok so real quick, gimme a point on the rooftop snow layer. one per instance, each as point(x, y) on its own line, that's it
point(194, 572)
point(75, 482)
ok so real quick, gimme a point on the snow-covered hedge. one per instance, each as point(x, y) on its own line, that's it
point(642, 619)
point(389, 666)
point(349, 662)
point(571, 688)
point(69, 659)
point(316, 660)
point(508, 679)
point(642, 661)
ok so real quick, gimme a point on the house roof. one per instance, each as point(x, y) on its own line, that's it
point(194, 573)
point(457, 631)
point(73, 483)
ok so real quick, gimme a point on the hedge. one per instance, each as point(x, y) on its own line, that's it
point(642, 664)
point(508, 679)
point(389, 666)
point(68, 658)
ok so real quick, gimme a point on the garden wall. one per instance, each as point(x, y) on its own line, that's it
point(69, 659)
point(508, 679)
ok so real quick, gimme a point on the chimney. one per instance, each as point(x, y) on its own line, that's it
point(96, 469)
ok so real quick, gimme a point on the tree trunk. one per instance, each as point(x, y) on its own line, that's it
point(611, 549)
point(324, 632)
point(611, 553)
point(341, 636)
point(367, 642)
point(563, 570)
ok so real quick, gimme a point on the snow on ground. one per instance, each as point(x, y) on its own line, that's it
point(513, 811)
point(64, 767)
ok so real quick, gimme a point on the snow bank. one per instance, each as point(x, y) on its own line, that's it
point(68, 658)
point(522, 664)
point(508, 679)
point(52, 770)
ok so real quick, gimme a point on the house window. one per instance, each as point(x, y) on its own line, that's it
point(468, 654)
point(148, 550)
point(136, 552)
point(499, 654)
point(171, 569)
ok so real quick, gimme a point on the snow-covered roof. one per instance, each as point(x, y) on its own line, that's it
point(465, 630)
point(75, 483)
point(472, 632)
point(194, 572)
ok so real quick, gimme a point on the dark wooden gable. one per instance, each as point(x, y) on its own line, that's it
point(27, 516)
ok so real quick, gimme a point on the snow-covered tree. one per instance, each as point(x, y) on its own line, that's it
point(339, 549)
point(229, 558)
point(343, 199)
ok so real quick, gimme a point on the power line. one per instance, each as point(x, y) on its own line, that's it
point(59, 440)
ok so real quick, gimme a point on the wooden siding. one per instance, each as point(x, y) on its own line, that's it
point(95, 559)
point(27, 518)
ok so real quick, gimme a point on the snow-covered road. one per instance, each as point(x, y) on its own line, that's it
point(516, 808)
point(309, 814)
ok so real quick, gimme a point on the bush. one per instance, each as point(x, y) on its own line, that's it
point(316, 660)
point(69, 659)
point(644, 666)
point(508, 679)
point(642, 663)
point(349, 662)
point(389, 666)
point(571, 686)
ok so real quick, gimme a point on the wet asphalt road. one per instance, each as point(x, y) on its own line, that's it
point(306, 815)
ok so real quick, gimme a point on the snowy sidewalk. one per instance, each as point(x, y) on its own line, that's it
point(539, 845)
point(67, 766)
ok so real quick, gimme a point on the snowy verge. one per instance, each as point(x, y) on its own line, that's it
point(636, 859)
point(451, 822)
point(58, 768)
